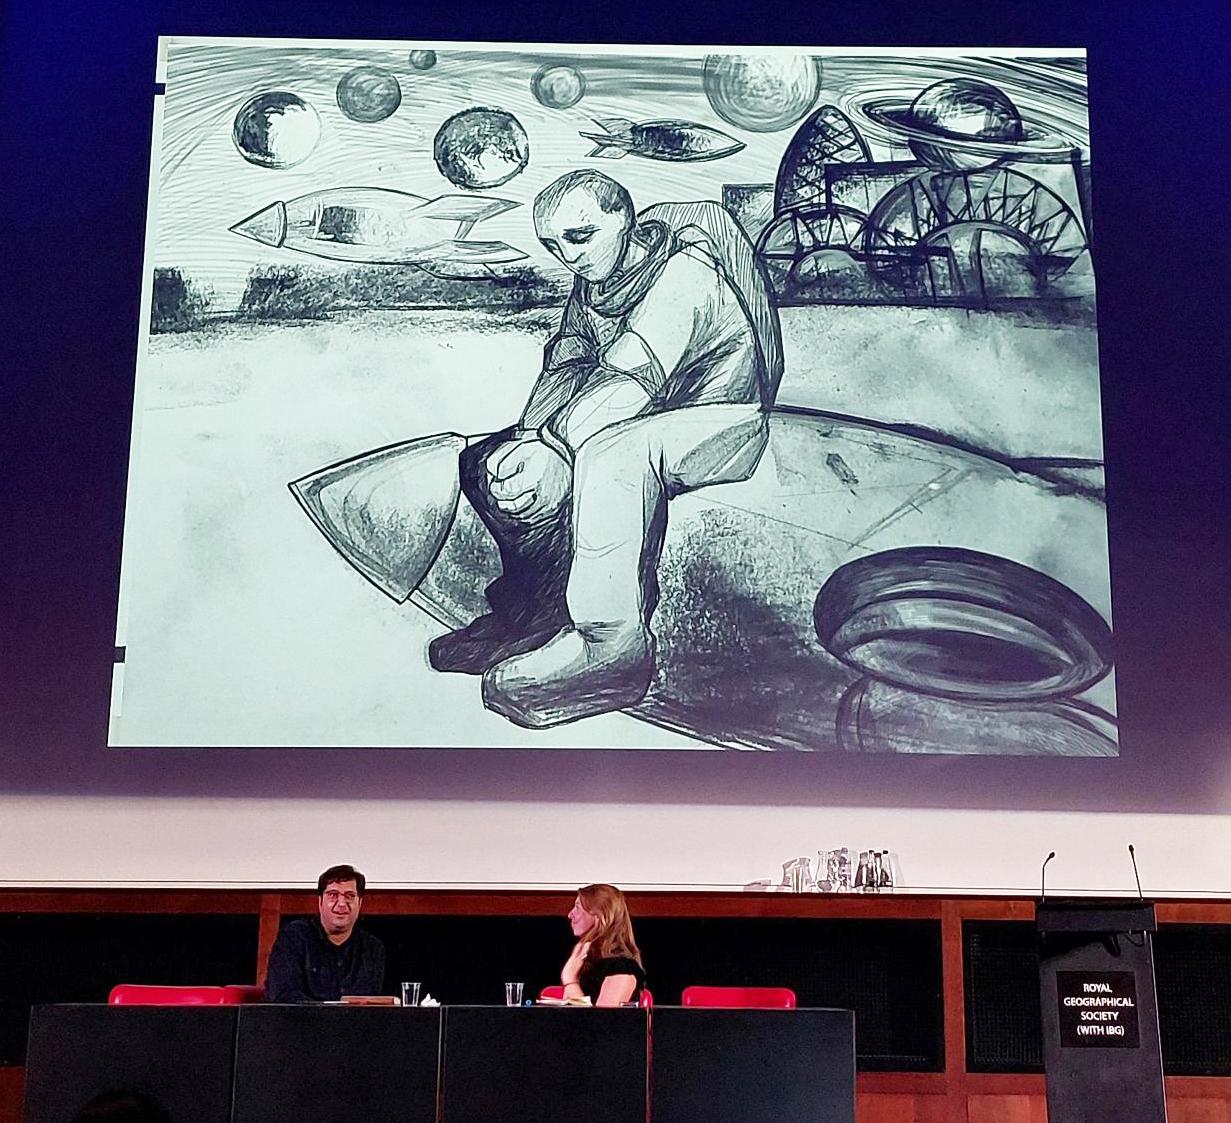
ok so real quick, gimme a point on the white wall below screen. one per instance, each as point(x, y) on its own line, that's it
point(118, 841)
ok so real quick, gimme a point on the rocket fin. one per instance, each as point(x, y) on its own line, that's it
point(607, 151)
point(456, 272)
point(614, 141)
point(473, 253)
point(464, 208)
point(617, 126)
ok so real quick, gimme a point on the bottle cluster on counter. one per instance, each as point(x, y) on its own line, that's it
point(835, 872)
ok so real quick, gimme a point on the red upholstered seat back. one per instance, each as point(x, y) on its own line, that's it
point(135, 994)
point(764, 998)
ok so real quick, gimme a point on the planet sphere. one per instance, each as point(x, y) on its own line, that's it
point(959, 109)
point(422, 60)
point(369, 94)
point(558, 87)
point(761, 93)
point(276, 129)
point(481, 147)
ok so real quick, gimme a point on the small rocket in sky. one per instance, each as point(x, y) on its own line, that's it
point(380, 226)
point(660, 140)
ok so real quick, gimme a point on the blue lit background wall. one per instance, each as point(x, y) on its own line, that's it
point(76, 88)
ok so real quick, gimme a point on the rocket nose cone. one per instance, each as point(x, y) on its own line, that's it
point(267, 226)
point(388, 512)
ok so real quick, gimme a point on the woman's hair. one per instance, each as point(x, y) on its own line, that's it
point(612, 934)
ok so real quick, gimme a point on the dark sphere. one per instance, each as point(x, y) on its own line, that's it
point(958, 109)
point(368, 94)
point(422, 60)
point(276, 129)
point(481, 147)
point(558, 86)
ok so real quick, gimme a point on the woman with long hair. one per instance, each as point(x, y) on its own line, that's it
point(606, 964)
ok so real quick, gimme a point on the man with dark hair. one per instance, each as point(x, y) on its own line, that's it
point(321, 959)
point(659, 381)
point(339, 874)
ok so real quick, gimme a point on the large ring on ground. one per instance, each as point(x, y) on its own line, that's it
point(961, 624)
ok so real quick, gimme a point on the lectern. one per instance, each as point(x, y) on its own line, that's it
point(1100, 1015)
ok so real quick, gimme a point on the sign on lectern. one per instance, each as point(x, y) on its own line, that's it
point(1100, 1016)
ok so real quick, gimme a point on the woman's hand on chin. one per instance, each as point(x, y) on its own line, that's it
point(572, 967)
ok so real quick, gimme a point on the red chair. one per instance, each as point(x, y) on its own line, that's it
point(646, 1001)
point(761, 998)
point(135, 994)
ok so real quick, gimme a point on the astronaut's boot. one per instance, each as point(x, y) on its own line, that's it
point(484, 642)
point(575, 674)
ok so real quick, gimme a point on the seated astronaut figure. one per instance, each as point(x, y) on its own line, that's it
point(658, 381)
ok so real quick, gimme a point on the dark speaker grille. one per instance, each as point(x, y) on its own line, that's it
point(80, 958)
point(888, 972)
point(1192, 971)
point(1003, 1024)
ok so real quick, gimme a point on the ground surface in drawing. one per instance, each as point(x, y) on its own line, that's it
point(244, 628)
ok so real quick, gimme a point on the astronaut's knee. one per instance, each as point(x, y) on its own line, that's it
point(615, 448)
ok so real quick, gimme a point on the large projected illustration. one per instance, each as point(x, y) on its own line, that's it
point(627, 398)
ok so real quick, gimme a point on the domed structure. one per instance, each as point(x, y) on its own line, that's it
point(828, 136)
point(761, 93)
point(957, 110)
point(481, 147)
point(276, 129)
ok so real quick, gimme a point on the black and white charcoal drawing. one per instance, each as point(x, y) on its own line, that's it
point(627, 399)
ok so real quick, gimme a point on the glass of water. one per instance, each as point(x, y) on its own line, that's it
point(410, 994)
point(513, 993)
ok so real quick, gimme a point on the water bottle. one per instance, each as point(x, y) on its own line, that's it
point(844, 870)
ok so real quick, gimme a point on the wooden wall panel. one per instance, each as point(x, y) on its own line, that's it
point(12, 1093)
point(1006, 1109)
point(879, 1107)
point(267, 933)
point(1181, 1109)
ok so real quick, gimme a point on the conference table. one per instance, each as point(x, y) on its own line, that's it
point(449, 1064)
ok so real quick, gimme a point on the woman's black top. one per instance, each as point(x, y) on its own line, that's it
point(594, 971)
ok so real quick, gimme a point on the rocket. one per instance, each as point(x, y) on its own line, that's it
point(380, 226)
point(660, 140)
point(800, 611)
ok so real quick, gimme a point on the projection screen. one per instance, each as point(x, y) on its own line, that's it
point(637, 398)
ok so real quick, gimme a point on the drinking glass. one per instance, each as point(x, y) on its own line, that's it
point(410, 994)
point(512, 993)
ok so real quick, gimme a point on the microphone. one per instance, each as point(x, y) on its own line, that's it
point(1133, 855)
point(1043, 877)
